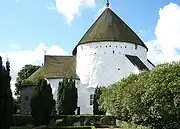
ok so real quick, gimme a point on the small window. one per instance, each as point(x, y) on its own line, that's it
point(100, 46)
point(125, 46)
point(104, 52)
point(113, 51)
point(118, 69)
point(116, 46)
point(109, 45)
point(96, 46)
point(91, 99)
point(26, 98)
point(121, 46)
point(106, 45)
point(95, 53)
point(135, 46)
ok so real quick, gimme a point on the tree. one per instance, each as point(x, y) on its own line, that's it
point(22, 75)
point(96, 109)
point(16, 106)
point(42, 103)
point(5, 96)
point(151, 98)
point(67, 97)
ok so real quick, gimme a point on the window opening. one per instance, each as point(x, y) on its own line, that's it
point(135, 46)
point(91, 99)
point(26, 98)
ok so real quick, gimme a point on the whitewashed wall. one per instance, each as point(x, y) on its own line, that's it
point(54, 85)
point(102, 64)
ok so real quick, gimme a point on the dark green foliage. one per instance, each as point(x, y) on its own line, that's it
point(42, 103)
point(16, 106)
point(5, 96)
point(21, 120)
point(23, 74)
point(67, 97)
point(96, 109)
point(87, 122)
point(84, 119)
point(151, 98)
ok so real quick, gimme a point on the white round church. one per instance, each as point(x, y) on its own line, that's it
point(108, 52)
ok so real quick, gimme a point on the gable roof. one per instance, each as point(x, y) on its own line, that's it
point(110, 27)
point(56, 67)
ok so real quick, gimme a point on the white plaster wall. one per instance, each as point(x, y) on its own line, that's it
point(54, 85)
point(84, 98)
point(97, 65)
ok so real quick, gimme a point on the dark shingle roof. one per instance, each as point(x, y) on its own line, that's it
point(137, 62)
point(109, 27)
point(56, 67)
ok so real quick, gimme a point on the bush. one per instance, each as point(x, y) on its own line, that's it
point(42, 103)
point(96, 109)
point(6, 106)
point(69, 120)
point(125, 125)
point(20, 120)
point(67, 97)
point(151, 98)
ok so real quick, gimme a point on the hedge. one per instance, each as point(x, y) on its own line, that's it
point(56, 127)
point(68, 120)
point(85, 120)
point(20, 120)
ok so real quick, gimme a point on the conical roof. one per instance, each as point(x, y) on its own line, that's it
point(110, 27)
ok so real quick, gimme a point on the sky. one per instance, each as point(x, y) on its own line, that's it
point(28, 28)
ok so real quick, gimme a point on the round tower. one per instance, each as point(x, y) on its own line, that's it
point(109, 51)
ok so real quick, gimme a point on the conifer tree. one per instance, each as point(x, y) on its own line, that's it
point(96, 109)
point(5, 96)
point(42, 103)
point(67, 97)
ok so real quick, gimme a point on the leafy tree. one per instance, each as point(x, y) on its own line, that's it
point(96, 109)
point(23, 74)
point(5, 96)
point(42, 103)
point(67, 97)
point(151, 98)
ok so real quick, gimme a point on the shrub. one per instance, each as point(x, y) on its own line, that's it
point(94, 119)
point(42, 103)
point(151, 98)
point(20, 120)
point(96, 109)
point(6, 106)
point(67, 97)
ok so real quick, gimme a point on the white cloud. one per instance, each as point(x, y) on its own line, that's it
point(167, 32)
point(14, 47)
point(70, 8)
point(19, 58)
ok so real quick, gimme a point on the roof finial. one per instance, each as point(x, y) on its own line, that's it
point(107, 4)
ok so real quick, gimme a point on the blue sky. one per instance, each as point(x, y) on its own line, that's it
point(28, 22)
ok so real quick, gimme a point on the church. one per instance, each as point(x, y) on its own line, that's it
point(109, 51)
